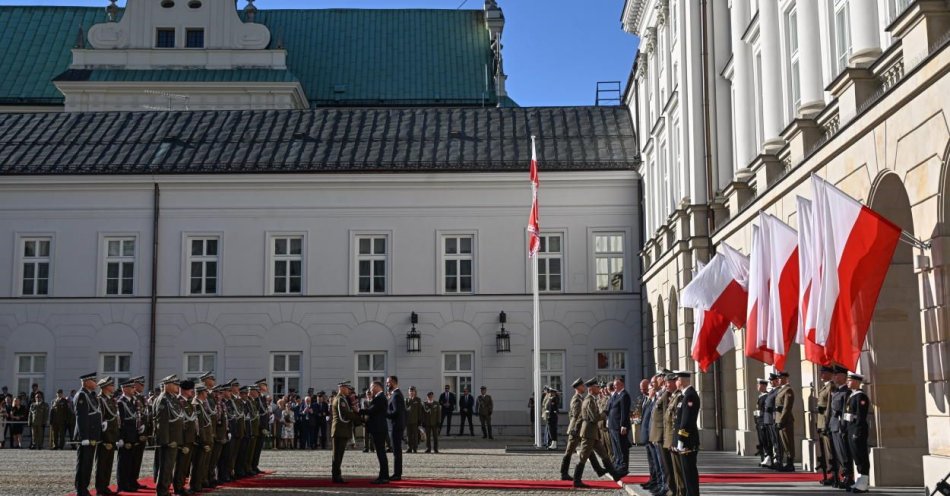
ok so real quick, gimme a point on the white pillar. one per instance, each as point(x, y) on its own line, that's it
point(742, 81)
point(772, 115)
point(809, 59)
point(691, 104)
point(865, 35)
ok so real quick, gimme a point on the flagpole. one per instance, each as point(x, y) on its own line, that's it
point(536, 325)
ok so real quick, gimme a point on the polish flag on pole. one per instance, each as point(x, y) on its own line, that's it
point(856, 249)
point(783, 288)
point(534, 228)
point(717, 294)
point(757, 320)
point(809, 270)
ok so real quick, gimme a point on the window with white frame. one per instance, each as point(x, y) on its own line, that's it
point(608, 261)
point(550, 257)
point(842, 35)
point(285, 372)
point(371, 261)
point(116, 365)
point(287, 259)
point(31, 369)
point(552, 373)
point(457, 370)
point(199, 363)
point(203, 265)
point(794, 98)
point(119, 266)
point(611, 364)
point(370, 367)
point(458, 259)
point(35, 260)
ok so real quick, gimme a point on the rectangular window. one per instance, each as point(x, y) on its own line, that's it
point(791, 42)
point(370, 367)
point(457, 370)
point(550, 257)
point(31, 369)
point(842, 29)
point(35, 260)
point(285, 373)
point(371, 258)
point(458, 262)
point(194, 38)
point(288, 264)
point(612, 364)
point(203, 265)
point(608, 260)
point(120, 266)
point(116, 365)
point(199, 363)
point(165, 38)
point(552, 373)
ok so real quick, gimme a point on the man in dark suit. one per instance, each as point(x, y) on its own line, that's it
point(466, 407)
point(396, 414)
point(448, 401)
point(618, 425)
point(687, 433)
point(376, 425)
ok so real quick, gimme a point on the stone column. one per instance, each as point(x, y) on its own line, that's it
point(744, 105)
point(865, 34)
point(809, 59)
point(772, 115)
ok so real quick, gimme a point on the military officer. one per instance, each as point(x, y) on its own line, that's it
point(205, 439)
point(58, 419)
point(592, 440)
point(39, 415)
point(343, 419)
point(856, 415)
point(88, 430)
point(128, 436)
point(145, 429)
point(656, 435)
point(669, 436)
point(484, 407)
point(776, 455)
point(433, 420)
point(826, 458)
point(573, 427)
point(235, 427)
point(414, 418)
point(168, 432)
point(603, 402)
point(765, 444)
point(785, 422)
point(219, 452)
point(838, 428)
point(105, 449)
point(263, 421)
point(687, 434)
point(189, 435)
point(252, 424)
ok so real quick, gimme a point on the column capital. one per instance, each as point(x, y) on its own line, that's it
point(662, 12)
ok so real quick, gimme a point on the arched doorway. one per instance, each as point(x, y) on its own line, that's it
point(660, 335)
point(674, 338)
point(892, 356)
point(649, 361)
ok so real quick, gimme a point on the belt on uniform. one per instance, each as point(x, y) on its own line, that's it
point(779, 408)
point(849, 417)
point(757, 414)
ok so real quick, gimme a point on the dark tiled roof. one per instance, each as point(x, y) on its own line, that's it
point(180, 75)
point(352, 140)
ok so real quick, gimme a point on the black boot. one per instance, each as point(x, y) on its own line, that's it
point(594, 464)
point(578, 474)
point(565, 466)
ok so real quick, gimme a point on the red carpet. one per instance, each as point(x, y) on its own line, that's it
point(748, 478)
point(149, 484)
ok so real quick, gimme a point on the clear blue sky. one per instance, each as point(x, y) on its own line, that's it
point(555, 50)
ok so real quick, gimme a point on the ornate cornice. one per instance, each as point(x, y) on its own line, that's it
point(662, 12)
point(632, 13)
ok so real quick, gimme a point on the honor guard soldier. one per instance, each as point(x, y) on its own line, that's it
point(765, 443)
point(189, 436)
point(58, 419)
point(826, 457)
point(263, 423)
point(656, 435)
point(772, 461)
point(856, 415)
point(253, 423)
point(205, 440)
point(676, 482)
point(414, 418)
point(433, 422)
point(785, 422)
point(838, 428)
point(687, 434)
point(219, 450)
point(344, 418)
point(592, 440)
point(235, 428)
point(145, 430)
point(168, 432)
point(88, 430)
point(573, 427)
point(105, 450)
point(484, 407)
point(128, 437)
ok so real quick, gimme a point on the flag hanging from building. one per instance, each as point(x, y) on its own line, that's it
point(857, 245)
point(534, 228)
point(717, 294)
point(809, 270)
point(757, 314)
point(783, 288)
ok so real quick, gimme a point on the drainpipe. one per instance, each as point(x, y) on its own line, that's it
point(154, 304)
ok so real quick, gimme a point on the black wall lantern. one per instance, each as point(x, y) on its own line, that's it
point(413, 338)
point(503, 339)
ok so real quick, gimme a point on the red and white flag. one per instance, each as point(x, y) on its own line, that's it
point(534, 228)
point(856, 249)
point(757, 320)
point(783, 288)
point(809, 270)
point(716, 290)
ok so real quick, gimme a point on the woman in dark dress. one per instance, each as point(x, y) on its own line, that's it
point(552, 407)
point(18, 415)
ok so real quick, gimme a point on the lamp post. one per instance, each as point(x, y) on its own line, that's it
point(503, 339)
point(413, 338)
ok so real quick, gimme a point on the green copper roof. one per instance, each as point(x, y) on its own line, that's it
point(340, 56)
point(184, 75)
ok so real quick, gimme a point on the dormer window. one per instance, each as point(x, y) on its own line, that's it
point(195, 38)
point(165, 38)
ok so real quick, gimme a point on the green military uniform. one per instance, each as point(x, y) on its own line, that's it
point(657, 428)
point(602, 402)
point(676, 482)
point(39, 414)
point(343, 419)
point(573, 428)
point(785, 423)
point(414, 417)
point(168, 433)
point(253, 426)
point(592, 439)
point(189, 436)
point(58, 420)
point(146, 428)
point(236, 427)
point(105, 450)
point(485, 406)
point(826, 456)
point(433, 419)
point(205, 441)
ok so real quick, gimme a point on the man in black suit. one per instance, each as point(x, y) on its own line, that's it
point(448, 402)
point(466, 407)
point(376, 425)
point(687, 433)
point(618, 426)
point(397, 418)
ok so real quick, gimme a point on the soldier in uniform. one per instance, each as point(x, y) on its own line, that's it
point(263, 423)
point(168, 432)
point(856, 415)
point(785, 422)
point(414, 418)
point(826, 457)
point(105, 450)
point(235, 427)
point(670, 426)
point(218, 451)
point(603, 402)
point(145, 431)
point(646, 421)
point(592, 439)
point(433, 420)
point(768, 421)
point(758, 415)
point(484, 407)
point(252, 424)
point(687, 434)
point(205, 441)
point(656, 435)
point(189, 435)
point(573, 427)
point(58, 419)
point(88, 430)
point(343, 418)
point(838, 429)
point(39, 415)
point(128, 437)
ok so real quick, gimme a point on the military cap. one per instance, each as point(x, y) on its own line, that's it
point(88, 377)
point(578, 383)
point(483, 388)
point(199, 388)
point(207, 375)
point(856, 377)
point(139, 380)
point(591, 382)
point(128, 383)
point(827, 368)
point(684, 374)
point(261, 381)
point(172, 379)
point(218, 388)
point(840, 370)
point(784, 374)
point(547, 388)
point(233, 383)
point(763, 381)
point(105, 381)
point(773, 376)
point(244, 389)
point(187, 385)
point(253, 388)
point(411, 388)
point(671, 376)
point(430, 393)
point(344, 384)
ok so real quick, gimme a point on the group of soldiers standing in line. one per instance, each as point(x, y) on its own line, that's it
point(203, 433)
point(775, 423)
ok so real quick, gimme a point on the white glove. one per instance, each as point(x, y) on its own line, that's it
point(229, 436)
point(105, 425)
point(173, 445)
point(679, 446)
point(185, 450)
point(141, 429)
point(120, 444)
point(85, 442)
